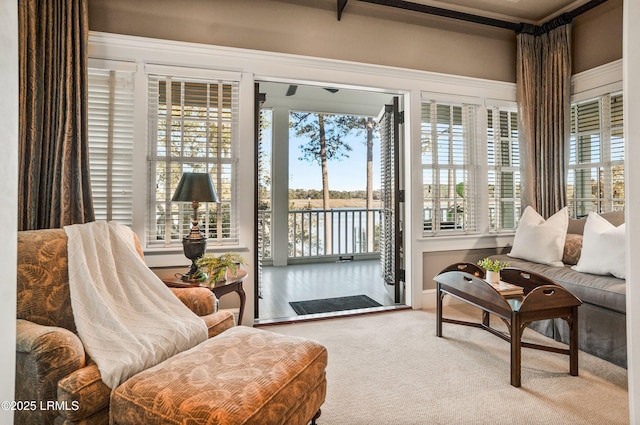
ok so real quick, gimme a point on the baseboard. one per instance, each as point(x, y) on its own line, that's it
point(429, 300)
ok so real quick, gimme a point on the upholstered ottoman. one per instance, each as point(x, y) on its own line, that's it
point(242, 376)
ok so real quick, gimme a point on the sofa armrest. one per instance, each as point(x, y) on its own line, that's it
point(199, 300)
point(44, 355)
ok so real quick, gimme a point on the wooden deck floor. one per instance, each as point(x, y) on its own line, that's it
point(314, 281)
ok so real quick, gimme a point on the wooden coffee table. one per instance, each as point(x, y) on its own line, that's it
point(543, 299)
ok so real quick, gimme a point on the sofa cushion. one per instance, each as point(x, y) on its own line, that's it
point(541, 240)
point(576, 225)
point(242, 376)
point(603, 248)
point(572, 249)
point(605, 291)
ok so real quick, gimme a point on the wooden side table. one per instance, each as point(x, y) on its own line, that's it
point(232, 284)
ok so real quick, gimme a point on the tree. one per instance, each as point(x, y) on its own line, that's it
point(326, 135)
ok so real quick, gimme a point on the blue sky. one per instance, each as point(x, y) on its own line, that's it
point(345, 174)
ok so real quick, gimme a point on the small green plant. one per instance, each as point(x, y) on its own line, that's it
point(493, 265)
point(216, 266)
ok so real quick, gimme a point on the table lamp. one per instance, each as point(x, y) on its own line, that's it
point(194, 188)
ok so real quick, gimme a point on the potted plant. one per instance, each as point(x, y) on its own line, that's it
point(493, 268)
point(215, 267)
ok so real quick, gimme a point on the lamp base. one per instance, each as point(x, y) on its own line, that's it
point(193, 276)
point(193, 249)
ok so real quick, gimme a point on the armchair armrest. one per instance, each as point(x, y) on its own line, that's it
point(44, 355)
point(199, 300)
point(85, 389)
point(202, 302)
point(219, 322)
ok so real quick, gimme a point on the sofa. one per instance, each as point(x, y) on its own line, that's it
point(602, 316)
point(239, 375)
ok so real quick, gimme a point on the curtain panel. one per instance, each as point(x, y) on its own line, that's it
point(54, 187)
point(543, 93)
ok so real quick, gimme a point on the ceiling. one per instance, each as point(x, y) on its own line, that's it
point(316, 98)
point(528, 11)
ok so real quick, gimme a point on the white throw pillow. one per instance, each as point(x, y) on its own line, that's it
point(541, 241)
point(603, 248)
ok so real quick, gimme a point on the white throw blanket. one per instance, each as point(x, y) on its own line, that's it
point(127, 319)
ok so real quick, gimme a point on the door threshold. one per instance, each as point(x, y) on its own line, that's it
point(329, 315)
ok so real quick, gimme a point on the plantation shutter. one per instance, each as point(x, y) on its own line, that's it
point(111, 106)
point(503, 158)
point(596, 156)
point(392, 197)
point(193, 128)
point(617, 152)
point(448, 159)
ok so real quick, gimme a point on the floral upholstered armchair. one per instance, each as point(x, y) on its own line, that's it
point(52, 368)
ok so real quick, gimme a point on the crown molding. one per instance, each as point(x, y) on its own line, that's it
point(597, 81)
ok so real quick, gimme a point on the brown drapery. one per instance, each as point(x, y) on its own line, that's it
point(54, 187)
point(544, 102)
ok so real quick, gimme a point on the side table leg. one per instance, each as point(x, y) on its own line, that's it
point(243, 299)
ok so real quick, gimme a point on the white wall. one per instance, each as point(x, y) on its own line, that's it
point(367, 33)
point(631, 69)
point(8, 208)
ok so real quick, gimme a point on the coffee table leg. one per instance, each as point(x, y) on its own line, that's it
point(438, 310)
point(486, 318)
point(516, 350)
point(573, 342)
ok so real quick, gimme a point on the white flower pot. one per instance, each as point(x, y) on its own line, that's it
point(492, 277)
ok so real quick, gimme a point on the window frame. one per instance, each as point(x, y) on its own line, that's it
point(225, 183)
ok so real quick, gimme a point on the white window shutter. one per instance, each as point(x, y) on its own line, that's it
point(595, 175)
point(111, 106)
point(503, 159)
point(449, 167)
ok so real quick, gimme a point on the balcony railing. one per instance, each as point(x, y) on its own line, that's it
point(325, 233)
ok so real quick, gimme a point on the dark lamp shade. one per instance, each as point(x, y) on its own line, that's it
point(196, 187)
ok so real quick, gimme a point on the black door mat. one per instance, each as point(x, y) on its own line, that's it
point(327, 305)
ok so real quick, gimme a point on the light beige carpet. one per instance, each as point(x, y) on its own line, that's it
point(390, 368)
